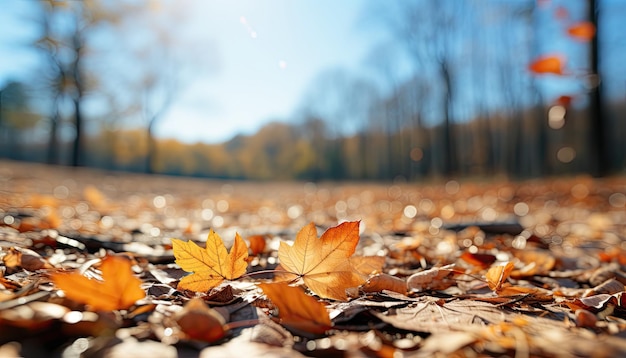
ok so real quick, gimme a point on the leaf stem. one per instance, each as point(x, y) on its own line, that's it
point(262, 272)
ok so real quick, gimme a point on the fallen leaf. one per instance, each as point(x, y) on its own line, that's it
point(27, 259)
point(257, 244)
point(497, 275)
point(368, 265)
point(324, 263)
point(119, 289)
point(297, 310)
point(435, 278)
point(583, 31)
point(381, 282)
point(200, 322)
point(547, 64)
point(480, 260)
point(535, 263)
point(212, 265)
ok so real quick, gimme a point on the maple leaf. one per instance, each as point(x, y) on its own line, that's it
point(119, 289)
point(324, 263)
point(297, 310)
point(212, 265)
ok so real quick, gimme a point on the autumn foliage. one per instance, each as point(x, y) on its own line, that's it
point(119, 288)
point(212, 265)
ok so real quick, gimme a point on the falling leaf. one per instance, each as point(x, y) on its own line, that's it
point(119, 289)
point(212, 265)
point(547, 64)
point(435, 278)
point(324, 263)
point(296, 309)
point(561, 13)
point(583, 31)
point(564, 101)
point(497, 275)
point(200, 322)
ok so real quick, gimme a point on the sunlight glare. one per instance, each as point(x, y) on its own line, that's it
point(556, 117)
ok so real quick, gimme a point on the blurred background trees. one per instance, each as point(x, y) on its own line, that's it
point(457, 88)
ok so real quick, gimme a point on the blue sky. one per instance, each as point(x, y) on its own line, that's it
point(268, 54)
point(265, 62)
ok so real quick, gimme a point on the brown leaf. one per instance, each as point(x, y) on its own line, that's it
point(27, 259)
point(381, 282)
point(257, 244)
point(197, 321)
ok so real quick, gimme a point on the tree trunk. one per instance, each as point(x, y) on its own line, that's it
point(598, 143)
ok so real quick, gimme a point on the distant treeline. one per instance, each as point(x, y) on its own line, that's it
point(526, 147)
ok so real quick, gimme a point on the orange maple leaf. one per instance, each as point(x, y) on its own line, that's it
point(297, 310)
point(324, 264)
point(212, 265)
point(119, 289)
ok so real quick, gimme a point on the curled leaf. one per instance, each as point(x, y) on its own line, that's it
point(436, 278)
point(197, 321)
point(497, 275)
point(383, 282)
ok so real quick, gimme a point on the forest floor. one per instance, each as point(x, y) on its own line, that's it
point(471, 268)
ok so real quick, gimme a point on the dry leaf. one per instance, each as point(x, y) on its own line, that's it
point(368, 265)
point(119, 289)
point(25, 258)
point(212, 265)
point(480, 260)
point(387, 282)
point(435, 278)
point(535, 263)
point(497, 275)
point(257, 244)
point(200, 322)
point(296, 309)
point(324, 263)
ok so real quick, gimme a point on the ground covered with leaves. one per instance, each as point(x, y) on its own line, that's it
point(116, 265)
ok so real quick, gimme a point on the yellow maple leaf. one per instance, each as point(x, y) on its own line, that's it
point(324, 263)
point(212, 265)
point(297, 310)
point(119, 289)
